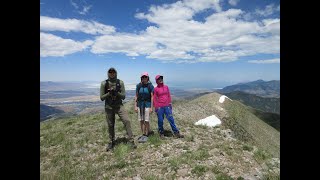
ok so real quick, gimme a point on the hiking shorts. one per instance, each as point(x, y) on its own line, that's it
point(144, 116)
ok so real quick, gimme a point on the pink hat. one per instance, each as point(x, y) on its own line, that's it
point(144, 74)
point(157, 77)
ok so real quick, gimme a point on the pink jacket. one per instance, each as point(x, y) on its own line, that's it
point(161, 96)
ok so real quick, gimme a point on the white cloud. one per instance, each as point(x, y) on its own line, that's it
point(68, 25)
point(85, 9)
point(272, 26)
point(199, 5)
point(223, 36)
point(81, 7)
point(51, 45)
point(268, 10)
point(233, 2)
point(269, 61)
point(130, 44)
point(74, 4)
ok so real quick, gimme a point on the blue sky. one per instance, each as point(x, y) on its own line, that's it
point(219, 42)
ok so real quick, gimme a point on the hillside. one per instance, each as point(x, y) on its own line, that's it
point(259, 87)
point(262, 103)
point(47, 112)
point(272, 119)
point(74, 148)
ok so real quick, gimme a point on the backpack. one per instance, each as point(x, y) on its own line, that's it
point(140, 96)
point(118, 86)
point(112, 101)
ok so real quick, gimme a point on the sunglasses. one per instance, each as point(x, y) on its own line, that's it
point(112, 72)
point(144, 77)
point(160, 78)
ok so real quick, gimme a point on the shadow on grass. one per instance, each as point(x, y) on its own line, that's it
point(120, 140)
point(166, 133)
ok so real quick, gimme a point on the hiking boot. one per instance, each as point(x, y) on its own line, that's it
point(162, 136)
point(178, 135)
point(110, 146)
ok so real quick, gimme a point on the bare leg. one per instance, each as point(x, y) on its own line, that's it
point(146, 128)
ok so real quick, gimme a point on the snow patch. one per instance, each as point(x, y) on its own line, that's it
point(209, 121)
point(222, 98)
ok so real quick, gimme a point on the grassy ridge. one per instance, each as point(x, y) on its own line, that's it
point(74, 148)
point(250, 128)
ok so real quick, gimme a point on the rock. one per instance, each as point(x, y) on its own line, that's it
point(136, 177)
point(182, 172)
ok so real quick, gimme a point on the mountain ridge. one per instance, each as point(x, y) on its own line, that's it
point(74, 147)
point(266, 104)
point(259, 88)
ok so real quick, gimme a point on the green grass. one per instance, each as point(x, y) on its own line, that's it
point(247, 147)
point(155, 140)
point(250, 129)
point(189, 157)
point(216, 169)
point(121, 151)
point(271, 176)
point(190, 138)
point(261, 155)
point(223, 176)
point(199, 170)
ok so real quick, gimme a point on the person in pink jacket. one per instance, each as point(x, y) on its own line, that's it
point(162, 105)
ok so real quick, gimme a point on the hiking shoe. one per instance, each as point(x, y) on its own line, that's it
point(162, 136)
point(143, 139)
point(178, 135)
point(110, 146)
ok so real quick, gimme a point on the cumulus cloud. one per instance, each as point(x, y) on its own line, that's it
point(268, 10)
point(199, 5)
point(233, 2)
point(175, 36)
point(223, 37)
point(129, 44)
point(51, 45)
point(272, 26)
point(69, 25)
point(269, 61)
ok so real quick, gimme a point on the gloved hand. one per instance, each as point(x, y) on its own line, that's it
point(170, 106)
point(156, 110)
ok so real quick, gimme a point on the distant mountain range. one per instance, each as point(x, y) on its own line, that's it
point(259, 88)
point(262, 103)
point(77, 97)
